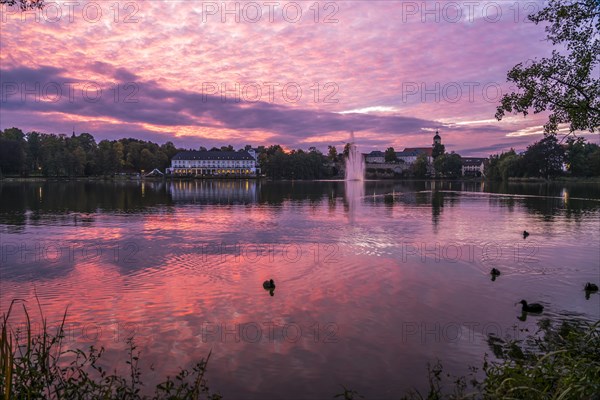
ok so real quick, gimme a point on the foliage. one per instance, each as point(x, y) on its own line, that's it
point(492, 169)
point(11, 156)
point(37, 366)
point(332, 153)
point(438, 150)
point(61, 155)
point(567, 84)
point(448, 165)
point(510, 166)
point(348, 394)
point(544, 158)
point(556, 362)
point(53, 155)
point(296, 164)
point(390, 155)
point(420, 167)
point(346, 151)
point(24, 4)
point(583, 159)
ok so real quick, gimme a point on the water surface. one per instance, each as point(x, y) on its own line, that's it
point(373, 280)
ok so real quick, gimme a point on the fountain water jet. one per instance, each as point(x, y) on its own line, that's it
point(355, 164)
point(355, 175)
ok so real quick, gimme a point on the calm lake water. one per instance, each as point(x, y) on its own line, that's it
point(373, 280)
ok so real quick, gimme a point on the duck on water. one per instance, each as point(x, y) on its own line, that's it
point(533, 308)
point(270, 286)
point(591, 287)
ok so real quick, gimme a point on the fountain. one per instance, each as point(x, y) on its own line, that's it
point(355, 175)
point(355, 164)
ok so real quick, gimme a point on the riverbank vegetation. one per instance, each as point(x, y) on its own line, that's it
point(48, 155)
point(38, 365)
point(547, 159)
point(42, 155)
point(559, 361)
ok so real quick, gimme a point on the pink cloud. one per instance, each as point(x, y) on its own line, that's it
point(378, 55)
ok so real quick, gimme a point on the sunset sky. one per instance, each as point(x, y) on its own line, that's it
point(388, 70)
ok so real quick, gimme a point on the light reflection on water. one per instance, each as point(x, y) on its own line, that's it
point(374, 279)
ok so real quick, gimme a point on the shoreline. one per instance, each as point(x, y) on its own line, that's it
point(562, 179)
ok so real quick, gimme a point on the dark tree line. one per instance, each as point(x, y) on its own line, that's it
point(547, 158)
point(297, 164)
point(53, 155)
point(41, 154)
point(44, 154)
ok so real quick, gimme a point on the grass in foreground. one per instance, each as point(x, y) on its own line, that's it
point(35, 366)
point(557, 362)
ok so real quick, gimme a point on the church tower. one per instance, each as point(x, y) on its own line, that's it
point(437, 139)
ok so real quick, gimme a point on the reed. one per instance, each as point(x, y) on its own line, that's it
point(36, 366)
point(557, 362)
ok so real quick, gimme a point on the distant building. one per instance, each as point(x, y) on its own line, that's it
point(375, 157)
point(410, 154)
point(473, 166)
point(437, 139)
point(253, 153)
point(214, 163)
point(154, 172)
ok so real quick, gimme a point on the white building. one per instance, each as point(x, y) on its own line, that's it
point(473, 166)
point(375, 157)
point(214, 163)
point(410, 154)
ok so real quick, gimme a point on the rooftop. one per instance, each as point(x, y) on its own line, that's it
point(473, 160)
point(213, 155)
point(415, 151)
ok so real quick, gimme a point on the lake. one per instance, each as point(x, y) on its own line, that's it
point(373, 280)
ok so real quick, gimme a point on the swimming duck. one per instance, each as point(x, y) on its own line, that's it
point(269, 285)
point(532, 308)
point(591, 287)
point(525, 234)
point(495, 273)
